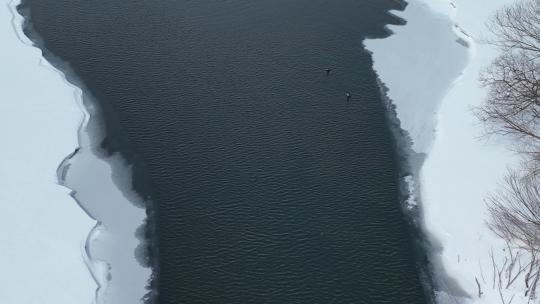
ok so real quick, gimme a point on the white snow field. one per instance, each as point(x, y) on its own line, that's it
point(54, 251)
point(42, 230)
point(434, 92)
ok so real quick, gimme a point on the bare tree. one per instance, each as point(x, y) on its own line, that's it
point(515, 217)
point(517, 27)
point(512, 109)
point(513, 79)
point(515, 210)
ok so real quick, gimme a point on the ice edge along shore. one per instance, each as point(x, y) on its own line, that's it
point(442, 48)
point(53, 242)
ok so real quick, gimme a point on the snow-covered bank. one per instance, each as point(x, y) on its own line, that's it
point(49, 242)
point(42, 229)
point(428, 83)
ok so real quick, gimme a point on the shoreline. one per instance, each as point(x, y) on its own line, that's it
point(414, 107)
point(459, 168)
point(41, 254)
point(409, 192)
point(100, 185)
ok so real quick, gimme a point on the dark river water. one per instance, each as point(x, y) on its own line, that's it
point(268, 186)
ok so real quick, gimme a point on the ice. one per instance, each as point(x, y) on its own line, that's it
point(102, 186)
point(75, 243)
point(418, 64)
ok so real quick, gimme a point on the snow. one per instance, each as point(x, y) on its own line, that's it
point(461, 167)
point(42, 229)
point(54, 251)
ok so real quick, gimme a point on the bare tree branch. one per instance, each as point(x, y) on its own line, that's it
point(515, 210)
point(513, 79)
